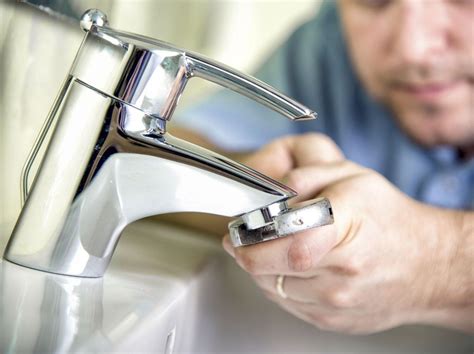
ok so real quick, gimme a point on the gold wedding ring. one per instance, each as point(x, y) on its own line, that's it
point(280, 280)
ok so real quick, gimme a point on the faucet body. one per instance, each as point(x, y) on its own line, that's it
point(110, 161)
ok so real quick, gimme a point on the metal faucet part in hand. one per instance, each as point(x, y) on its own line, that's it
point(286, 221)
point(110, 161)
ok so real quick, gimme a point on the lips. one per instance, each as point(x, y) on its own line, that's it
point(429, 91)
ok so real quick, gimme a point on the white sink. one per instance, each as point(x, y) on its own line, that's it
point(134, 308)
point(169, 290)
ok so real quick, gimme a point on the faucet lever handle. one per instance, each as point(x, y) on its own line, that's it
point(248, 86)
point(151, 75)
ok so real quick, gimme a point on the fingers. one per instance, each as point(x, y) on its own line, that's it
point(302, 254)
point(325, 318)
point(280, 156)
point(298, 254)
point(290, 306)
point(309, 181)
point(314, 148)
point(274, 159)
point(325, 290)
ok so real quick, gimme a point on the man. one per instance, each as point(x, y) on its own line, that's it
point(393, 83)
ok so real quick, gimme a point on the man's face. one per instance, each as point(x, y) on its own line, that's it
point(417, 57)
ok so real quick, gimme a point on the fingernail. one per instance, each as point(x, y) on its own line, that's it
point(228, 245)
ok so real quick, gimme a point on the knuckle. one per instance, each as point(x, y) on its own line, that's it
point(326, 142)
point(275, 145)
point(353, 266)
point(367, 176)
point(299, 257)
point(296, 180)
point(317, 136)
point(351, 168)
point(340, 299)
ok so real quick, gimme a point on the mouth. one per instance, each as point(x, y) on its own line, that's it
point(429, 92)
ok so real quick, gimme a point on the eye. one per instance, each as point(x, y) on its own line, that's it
point(374, 4)
point(463, 2)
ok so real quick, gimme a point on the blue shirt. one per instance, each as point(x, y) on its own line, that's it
point(313, 67)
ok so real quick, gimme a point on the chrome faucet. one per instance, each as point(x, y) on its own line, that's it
point(110, 160)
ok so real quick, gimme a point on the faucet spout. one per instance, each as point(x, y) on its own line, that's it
point(89, 188)
point(132, 186)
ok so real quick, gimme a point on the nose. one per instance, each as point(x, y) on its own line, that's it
point(422, 33)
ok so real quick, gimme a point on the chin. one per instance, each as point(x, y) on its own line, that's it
point(445, 121)
point(431, 129)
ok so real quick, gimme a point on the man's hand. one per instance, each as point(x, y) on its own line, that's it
point(387, 260)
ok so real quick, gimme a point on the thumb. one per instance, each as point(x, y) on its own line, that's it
point(280, 156)
point(310, 181)
point(274, 160)
point(315, 148)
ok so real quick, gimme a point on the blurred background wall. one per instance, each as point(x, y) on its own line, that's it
point(36, 51)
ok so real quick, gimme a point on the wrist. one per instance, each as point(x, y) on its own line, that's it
point(451, 302)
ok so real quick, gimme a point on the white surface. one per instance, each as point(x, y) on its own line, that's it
point(166, 280)
point(132, 308)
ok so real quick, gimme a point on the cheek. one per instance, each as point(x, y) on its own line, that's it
point(462, 28)
point(466, 47)
point(369, 53)
point(368, 40)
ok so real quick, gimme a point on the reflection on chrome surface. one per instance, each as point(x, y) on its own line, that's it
point(110, 161)
point(48, 313)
